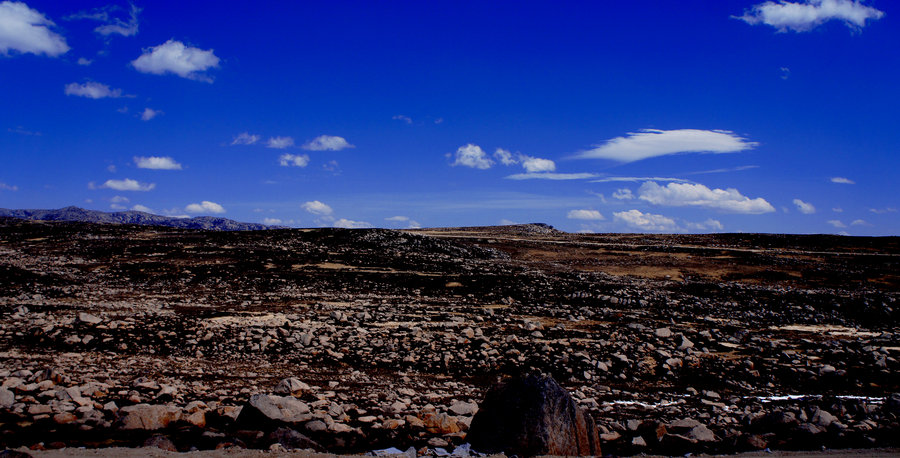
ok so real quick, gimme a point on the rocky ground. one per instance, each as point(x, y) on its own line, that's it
point(349, 341)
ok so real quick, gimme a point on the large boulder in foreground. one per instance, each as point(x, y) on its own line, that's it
point(530, 416)
point(263, 411)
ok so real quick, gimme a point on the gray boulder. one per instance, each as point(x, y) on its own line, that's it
point(530, 416)
point(263, 411)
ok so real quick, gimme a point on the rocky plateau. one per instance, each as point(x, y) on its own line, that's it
point(352, 341)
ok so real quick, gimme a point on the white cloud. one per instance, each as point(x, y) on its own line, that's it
point(837, 210)
point(118, 199)
point(881, 211)
point(551, 176)
point(271, 221)
point(25, 30)
point(623, 194)
point(529, 163)
point(397, 218)
point(156, 163)
point(403, 118)
point(317, 208)
point(708, 225)
point(205, 207)
point(805, 207)
point(414, 225)
point(141, 208)
point(649, 143)
point(646, 221)
point(8, 187)
point(150, 113)
point(174, 57)
point(636, 179)
point(593, 215)
point(537, 165)
point(92, 90)
point(842, 180)
point(293, 160)
point(84, 61)
point(806, 15)
point(859, 222)
point(837, 223)
point(327, 143)
point(245, 138)
point(505, 157)
point(472, 156)
point(350, 224)
point(279, 142)
point(127, 185)
point(698, 195)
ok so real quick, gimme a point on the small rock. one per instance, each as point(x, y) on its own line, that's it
point(292, 386)
point(88, 318)
point(464, 408)
point(161, 442)
point(148, 417)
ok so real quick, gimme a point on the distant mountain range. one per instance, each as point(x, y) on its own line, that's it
point(208, 223)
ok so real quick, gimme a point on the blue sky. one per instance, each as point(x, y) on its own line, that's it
point(637, 116)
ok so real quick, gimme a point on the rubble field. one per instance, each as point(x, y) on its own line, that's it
point(349, 341)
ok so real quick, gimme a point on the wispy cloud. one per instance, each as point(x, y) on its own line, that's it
point(177, 58)
point(245, 138)
point(403, 118)
point(698, 195)
point(156, 163)
point(637, 179)
point(805, 15)
point(22, 131)
point(881, 211)
point(8, 187)
point(142, 208)
point(649, 143)
point(837, 223)
point(110, 24)
point(842, 180)
point(725, 170)
point(271, 221)
point(25, 30)
point(551, 176)
point(327, 143)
